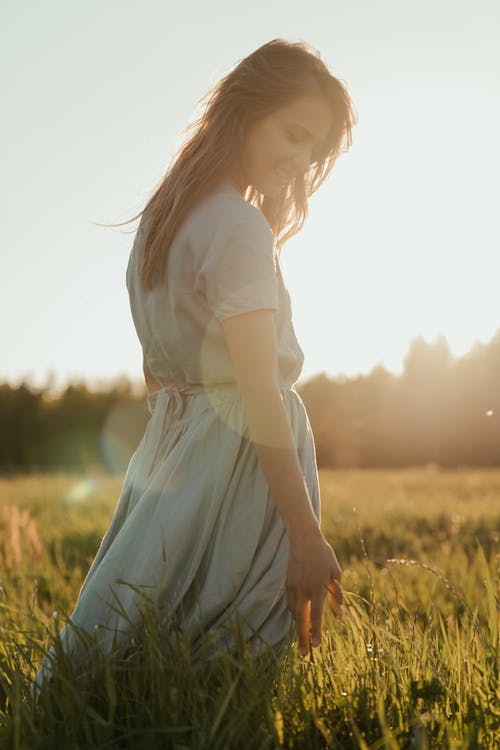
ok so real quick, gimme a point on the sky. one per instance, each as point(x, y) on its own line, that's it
point(401, 241)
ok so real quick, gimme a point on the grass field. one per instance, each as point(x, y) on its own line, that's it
point(413, 663)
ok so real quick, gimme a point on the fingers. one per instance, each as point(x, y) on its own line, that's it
point(336, 596)
point(306, 595)
point(309, 617)
point(317, 602)
point(300, 611)
point(303, 621)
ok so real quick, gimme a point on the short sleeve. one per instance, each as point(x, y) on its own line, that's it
point(238, 272)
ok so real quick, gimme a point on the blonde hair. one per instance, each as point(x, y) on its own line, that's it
point(261, 83)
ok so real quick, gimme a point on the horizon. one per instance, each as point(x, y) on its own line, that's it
point(54, 386)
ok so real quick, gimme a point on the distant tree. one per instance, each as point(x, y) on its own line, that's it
point(426, 383)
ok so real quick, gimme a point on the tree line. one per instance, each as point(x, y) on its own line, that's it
point(440, 410)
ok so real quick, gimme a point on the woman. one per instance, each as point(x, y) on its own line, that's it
point(220, 507)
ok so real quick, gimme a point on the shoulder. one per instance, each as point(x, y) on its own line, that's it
point(225, 213)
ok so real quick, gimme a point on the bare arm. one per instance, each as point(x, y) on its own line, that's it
point(313, 567)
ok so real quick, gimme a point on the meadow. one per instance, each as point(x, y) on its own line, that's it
point(412, 664)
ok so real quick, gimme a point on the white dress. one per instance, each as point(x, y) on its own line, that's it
point(196, 527)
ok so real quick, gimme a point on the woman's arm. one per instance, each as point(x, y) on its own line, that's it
point(313, 568)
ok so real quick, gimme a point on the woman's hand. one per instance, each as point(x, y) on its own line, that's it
point(313, 572)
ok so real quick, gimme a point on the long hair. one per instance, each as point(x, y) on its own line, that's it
point(261, 83)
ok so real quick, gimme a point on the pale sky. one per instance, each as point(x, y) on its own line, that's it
point(402, 240)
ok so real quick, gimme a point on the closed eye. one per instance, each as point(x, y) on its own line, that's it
point(300, 134)
point(295, 137)
point(304, 137)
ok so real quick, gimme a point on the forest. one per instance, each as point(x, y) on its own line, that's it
point(441, 410)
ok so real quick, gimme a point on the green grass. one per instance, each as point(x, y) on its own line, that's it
point(413, 663)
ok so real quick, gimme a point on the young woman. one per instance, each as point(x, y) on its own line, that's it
point(219, 515)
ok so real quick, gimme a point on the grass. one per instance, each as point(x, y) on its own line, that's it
point(413, 663)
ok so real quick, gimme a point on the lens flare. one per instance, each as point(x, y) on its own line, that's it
point(121, 433)
point(81, 491)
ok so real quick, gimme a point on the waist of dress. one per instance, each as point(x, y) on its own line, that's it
point(178, 390)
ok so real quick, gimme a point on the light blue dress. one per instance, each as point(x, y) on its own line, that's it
point(195, 526)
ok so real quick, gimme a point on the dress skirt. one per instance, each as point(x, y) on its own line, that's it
point(195, 528)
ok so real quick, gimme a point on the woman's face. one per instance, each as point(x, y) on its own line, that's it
point(282, 145)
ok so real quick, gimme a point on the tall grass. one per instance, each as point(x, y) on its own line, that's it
point(413, 663)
